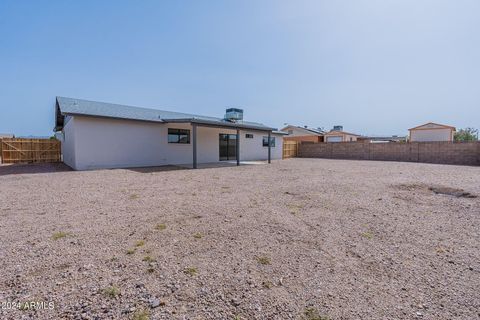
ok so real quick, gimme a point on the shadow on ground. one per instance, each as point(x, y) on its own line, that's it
point(33, 168)
point(212, 165)
point(156, 169)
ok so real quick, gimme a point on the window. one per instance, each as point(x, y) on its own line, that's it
point(265, 142)
point(249, 136)
point(290, 131)
point(178, 136)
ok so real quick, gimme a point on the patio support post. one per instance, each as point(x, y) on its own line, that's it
point(194, 144)
point(269, 147)
point(238, 147)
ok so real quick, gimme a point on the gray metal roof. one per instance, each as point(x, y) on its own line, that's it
point(71, 106)
point(314, 130)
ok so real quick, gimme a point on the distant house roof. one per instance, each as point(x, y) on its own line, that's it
point(384, 138)
point(79, 107)
point(304, 128)
point(337, 132)
point(433, 125)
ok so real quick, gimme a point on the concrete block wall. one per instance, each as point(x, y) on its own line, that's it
point(462, 153)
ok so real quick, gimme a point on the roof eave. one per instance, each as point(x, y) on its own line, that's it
point(232, 125)
point(110, 117)
point(437, 124)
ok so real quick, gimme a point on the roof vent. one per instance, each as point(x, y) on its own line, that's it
point(337, 128)
point(234, 114)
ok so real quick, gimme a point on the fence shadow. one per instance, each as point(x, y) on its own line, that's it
point(33, 168)
point(156, 169)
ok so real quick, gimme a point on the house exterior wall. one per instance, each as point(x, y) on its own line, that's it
point(96, 143)
point(350, 138)
point(253, 149)
point(311, 139)
point(330, 139)
point(426, 135)
point(68, 143)
point(345, 137)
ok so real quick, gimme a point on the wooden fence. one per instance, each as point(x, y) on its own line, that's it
point(30, 150)
point(290, 149)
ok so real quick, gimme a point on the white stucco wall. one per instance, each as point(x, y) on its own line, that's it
point(68, 145)
point(111, 143)
point(425, 135)
point(253, 149)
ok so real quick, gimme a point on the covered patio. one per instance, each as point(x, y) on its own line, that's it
point(196, 123)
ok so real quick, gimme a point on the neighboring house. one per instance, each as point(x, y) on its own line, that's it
point(303, 134)
point(378, 139)
point(104, 135)
point(432, 132)
point(338, 135)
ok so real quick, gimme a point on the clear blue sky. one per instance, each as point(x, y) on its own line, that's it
point(373, 66)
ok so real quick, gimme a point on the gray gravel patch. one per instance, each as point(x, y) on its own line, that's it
point(297, 239)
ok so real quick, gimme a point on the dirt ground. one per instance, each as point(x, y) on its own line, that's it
point(297, 239)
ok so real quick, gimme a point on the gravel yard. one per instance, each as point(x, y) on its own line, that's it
point(297, 239)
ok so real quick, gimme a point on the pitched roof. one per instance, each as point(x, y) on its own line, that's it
point(433, 124)
point(384, 138)
point(71, 106)
point(341, 132)
point(310, 130)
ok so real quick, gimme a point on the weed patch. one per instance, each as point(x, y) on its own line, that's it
point(264, 260)
point(160, 226)
point(313, 314)
point(59, 235)
point(111, 292)
point(191, 271)
point(141, 315)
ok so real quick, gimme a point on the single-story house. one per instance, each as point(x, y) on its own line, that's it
point(303, 134)
point(338, 135)
point(104, 135)
point(432, 132)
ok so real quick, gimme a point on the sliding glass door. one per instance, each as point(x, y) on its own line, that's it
point(228, 146)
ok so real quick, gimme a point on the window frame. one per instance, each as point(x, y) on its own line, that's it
point(272, 142)
point(248, 135)
point(179, 133)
